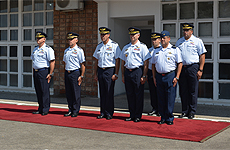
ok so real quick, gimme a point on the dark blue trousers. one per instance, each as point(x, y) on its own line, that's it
point(153, 91)
point(166, 95)
point(73, 91)
point(188, 87)
point(106, 87)
point(42, 90)
point(134, 92)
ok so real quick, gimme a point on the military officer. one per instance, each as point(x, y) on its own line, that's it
point(74, 59)
point(167, 64)
point(106, 71)
point(156, 40)
point(43, 66)
point(134, 67)
point(193, 55)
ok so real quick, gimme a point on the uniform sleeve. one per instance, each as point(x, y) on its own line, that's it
point(51, 55)
point(201, 47)
point(178, 55)
point(95, 53)
point(82, 56)
point(145, 53)
point(122, 53)
point(117, 51)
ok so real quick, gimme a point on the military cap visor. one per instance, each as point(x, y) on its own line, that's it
point(133, 30)
point(72, 35)
point(40, 35)
point(155, 35)
point(104, 30)
point(187, 26)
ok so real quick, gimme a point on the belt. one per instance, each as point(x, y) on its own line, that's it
point(40, 69)
point(134, 68)
point(190, 65)
point(70, 71)
point(106, 68)
point(164, 74)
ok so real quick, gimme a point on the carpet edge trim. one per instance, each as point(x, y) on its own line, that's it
point(205, 139)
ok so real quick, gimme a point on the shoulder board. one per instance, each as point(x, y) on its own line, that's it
point(174, 46)
point(142, 43)
point(99, 43)
point(80, 48)
point(114, 42)
point(48, 46)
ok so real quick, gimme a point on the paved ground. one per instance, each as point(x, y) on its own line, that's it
point(21, 135)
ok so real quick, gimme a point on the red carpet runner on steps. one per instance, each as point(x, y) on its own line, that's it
point(183, 129)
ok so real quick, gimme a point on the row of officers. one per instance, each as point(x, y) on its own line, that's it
point(162, 66)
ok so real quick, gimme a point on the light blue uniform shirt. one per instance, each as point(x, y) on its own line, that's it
point(151, 51)
point(166, 59)
point(191, 49)
point(106, 54)
point(135, 55)
point(41, 57)
point(73, 57)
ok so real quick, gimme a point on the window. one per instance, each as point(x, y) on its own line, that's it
point(169, 11)
point(205, 9)
point(27, 5)
point(3, 20)
point(224, 9)
point(3, 35)
point(187, 11)
point(19, 19)
point(205, 90)
point(224, 71)
point(224, 51)
point(13, 20)
point(224, 89)
point(13, 5)
point(205, 29)
point(224, 28)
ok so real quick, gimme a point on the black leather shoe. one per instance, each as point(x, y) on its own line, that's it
point(161, 122)
point(74, 114)
point(191, 116)
point(36, 112)
point(44, 113)
point(183, 115)
point(137, 120)
point(100, 116)
point(152, 113)
point(66, 115)
point(129, 119)
point(169, 122)
point(158, 114)
point(108, 117)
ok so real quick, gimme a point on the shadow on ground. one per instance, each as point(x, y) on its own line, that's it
point(120, 103)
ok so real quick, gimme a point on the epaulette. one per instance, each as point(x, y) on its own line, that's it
point(99, 43)
point(114, 42)
point(80, 48)
point(48, 46)
point(174, 46)
point(142, 43)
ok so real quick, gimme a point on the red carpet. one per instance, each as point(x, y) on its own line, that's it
point(183, 129)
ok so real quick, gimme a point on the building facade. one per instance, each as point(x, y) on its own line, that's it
point(20, 19)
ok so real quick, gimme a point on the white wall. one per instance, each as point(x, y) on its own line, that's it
point(115, 14)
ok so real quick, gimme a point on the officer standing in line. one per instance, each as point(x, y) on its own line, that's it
point(43, 66)
point(193, 55)
point(156, 40)
point(167, 64)
point(106, 71)
point(135, 58)
point(74, 59)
